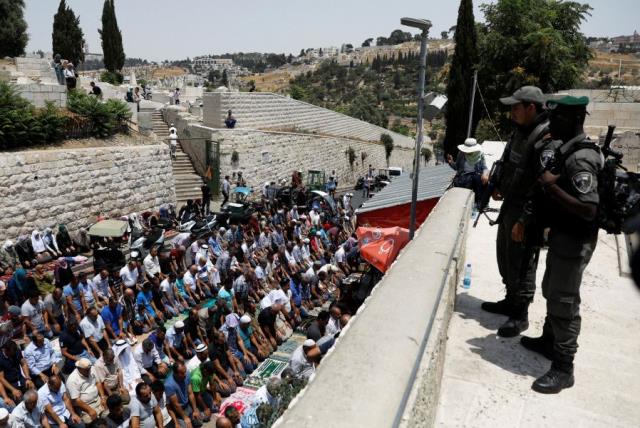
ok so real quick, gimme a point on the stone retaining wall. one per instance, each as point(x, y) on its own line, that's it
point(263, 110)
point(271, 155)
point(39, 94)
point(49, 187)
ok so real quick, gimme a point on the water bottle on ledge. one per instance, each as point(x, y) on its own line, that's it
point(466, 283)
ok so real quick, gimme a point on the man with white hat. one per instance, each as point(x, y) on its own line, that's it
point(304, 359)
point(178, 348)
point(471, 167)
point(84, 394)
point(202, 356)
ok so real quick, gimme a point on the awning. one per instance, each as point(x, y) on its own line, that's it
point(109, 228)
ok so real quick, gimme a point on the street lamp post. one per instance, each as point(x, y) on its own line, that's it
point(423, 25)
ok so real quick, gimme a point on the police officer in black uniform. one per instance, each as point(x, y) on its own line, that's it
point(570, 204)
point(518, 259)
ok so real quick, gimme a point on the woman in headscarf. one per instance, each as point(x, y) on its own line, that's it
point(471, 167)
point(17, 287)
point(9, 260)
point(63, 272)
point(64, 241)
point(51, 243)
point(83, 242)
point(43, 280)
point(39, 247)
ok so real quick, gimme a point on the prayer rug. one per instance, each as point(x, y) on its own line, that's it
point(241, 400)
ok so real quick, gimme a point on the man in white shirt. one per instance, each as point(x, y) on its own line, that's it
point(35, 316)
point(152, 264)
point(149, 362)
point(81, 385)
point(202, 356)
point(94, 331)
point(341, 259)
point(173, 143)
point(129, 274)
point(304, 359)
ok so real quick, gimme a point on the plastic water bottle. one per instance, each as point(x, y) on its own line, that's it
point(466, 283)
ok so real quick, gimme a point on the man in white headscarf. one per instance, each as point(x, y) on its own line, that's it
point(125, 359)
point(9, 260)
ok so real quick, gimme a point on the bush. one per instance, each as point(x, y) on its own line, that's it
point(113, 78)
point(105, 118)
point(22, 125)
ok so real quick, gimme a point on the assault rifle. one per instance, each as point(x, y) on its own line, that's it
point(483, 206)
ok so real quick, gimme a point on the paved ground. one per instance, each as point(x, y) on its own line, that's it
point(487, 379)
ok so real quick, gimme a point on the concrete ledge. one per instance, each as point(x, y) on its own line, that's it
point(385, 369)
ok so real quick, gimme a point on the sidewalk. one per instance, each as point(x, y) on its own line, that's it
point(487, 379)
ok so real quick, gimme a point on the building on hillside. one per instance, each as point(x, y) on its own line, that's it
point(204, 63)
point(627, 43)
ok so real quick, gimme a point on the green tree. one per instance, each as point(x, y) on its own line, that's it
point(13, 28)
point(530, 42)
point(111, 38)
point(67, 37)
point(225, 78)
point(387, 142)
point(460, 82)
point(367, 43)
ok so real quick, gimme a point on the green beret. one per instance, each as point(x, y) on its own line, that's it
point(568, 101)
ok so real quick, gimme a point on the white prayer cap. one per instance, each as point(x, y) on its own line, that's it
point(309, 343)
point(245, 319)
point(179, 324)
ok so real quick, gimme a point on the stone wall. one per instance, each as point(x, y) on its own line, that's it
point(266, 156)
point(36, 68)
point(49, 187)
point(272, 155)
point(38, 94)
point(263, 110)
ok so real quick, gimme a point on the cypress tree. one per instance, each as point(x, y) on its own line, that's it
point(464, 62)
point(67, 37)
point(111, 38)
point(13, 28)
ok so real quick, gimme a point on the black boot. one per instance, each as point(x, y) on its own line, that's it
point(559, 377)
point(543, 345)
point(503, 307)
point(518, 321)
point(513, 327)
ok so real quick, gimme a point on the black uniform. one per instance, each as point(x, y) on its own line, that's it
point(517, 261)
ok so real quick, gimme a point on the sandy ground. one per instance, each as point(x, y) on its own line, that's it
point(487, 379)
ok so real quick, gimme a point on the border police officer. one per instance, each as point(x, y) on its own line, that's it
point(518, 260)
point(570, 205)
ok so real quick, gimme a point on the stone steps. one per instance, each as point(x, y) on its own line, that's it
point(187, 181)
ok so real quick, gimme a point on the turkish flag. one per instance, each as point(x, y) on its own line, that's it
point(380, 247)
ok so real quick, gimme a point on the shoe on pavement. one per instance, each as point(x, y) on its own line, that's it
point(541, 345)
point(513, 327)
point(503, 307)
point(553, 381)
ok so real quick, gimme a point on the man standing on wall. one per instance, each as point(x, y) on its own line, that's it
point(206, 198)
point(226, 188)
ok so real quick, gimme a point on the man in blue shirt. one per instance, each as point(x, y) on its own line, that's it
point(74, 293)
point(180, 396)
point(41, 359)
point(112, 317)
point(145, 297)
